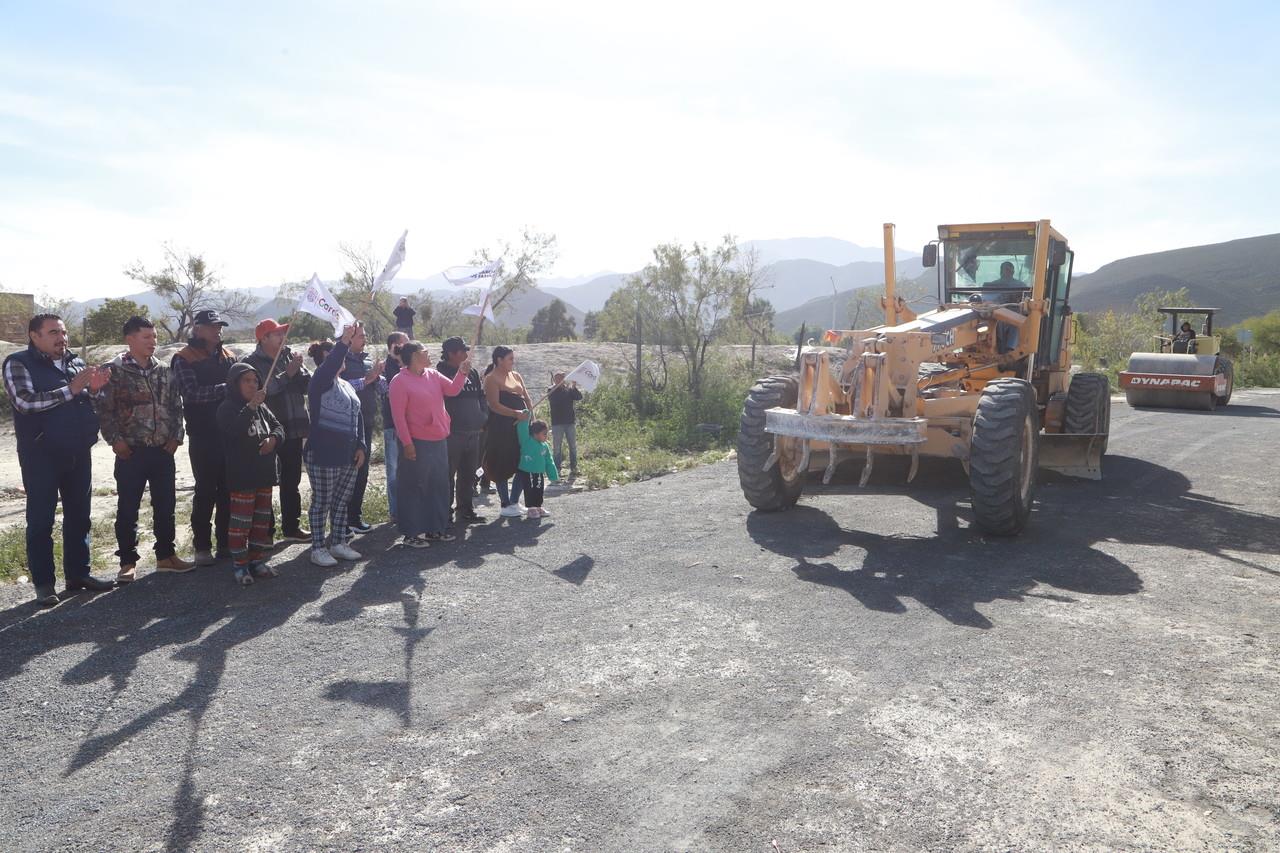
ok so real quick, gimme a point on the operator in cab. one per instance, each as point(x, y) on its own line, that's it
point(1006, 278)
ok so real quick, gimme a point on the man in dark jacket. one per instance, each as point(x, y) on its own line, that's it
point(200, 369)
point(140, 412)
point(390, 444)
point(564, 419)
point(363, 373)
point(404, 317)
point(51, 390)
point(467, 415)
point(287, 400)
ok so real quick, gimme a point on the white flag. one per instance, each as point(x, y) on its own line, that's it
point(477, 310)
point(319, 302)
point(393, 263)
point(471, 274)
point(586, 375)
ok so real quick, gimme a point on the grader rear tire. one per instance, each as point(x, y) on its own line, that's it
point(766, 490)
point(1088, 406)
point(1004, 457)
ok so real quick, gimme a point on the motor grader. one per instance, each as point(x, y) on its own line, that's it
point(1188, 372)
point(984, 378)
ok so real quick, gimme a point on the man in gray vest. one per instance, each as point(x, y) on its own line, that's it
point(51, 391)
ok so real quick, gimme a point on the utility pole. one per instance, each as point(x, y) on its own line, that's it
point(639, 356)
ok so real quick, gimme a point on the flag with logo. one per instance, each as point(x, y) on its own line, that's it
point(393, 263)
point(317, 301)
point(464, 275)
point(586, 375)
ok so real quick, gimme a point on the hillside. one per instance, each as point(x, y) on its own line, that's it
point(858, 305)
point(1242, 277)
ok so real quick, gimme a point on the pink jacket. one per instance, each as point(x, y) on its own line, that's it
point(417, 403)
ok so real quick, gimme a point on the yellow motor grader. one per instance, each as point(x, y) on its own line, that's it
point(983, 379)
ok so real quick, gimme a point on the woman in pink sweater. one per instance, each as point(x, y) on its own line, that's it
point(416, 397)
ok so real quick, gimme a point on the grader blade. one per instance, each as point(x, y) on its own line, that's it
point(1075, 455)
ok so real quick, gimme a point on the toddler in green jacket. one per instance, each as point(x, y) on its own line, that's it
point(536, 464)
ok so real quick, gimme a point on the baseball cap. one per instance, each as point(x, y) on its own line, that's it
point(208, 317)
point(268, 326)
point(454, 344)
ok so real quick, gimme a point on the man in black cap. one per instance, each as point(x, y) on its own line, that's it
point(200, 370)
point(467, 415)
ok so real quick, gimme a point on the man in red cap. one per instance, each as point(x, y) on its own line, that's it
point(287, 399)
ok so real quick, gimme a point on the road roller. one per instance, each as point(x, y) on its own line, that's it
point(1188, 372)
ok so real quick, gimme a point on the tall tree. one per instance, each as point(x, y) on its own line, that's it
point(105, 323)
point(522, 265)
point(591, 325)
point(552, 323)
point(697, 288)
point(187, 285)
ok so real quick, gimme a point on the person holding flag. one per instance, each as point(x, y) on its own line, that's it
point(335, 451)
point(285, 381)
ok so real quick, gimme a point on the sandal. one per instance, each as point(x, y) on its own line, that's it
point(440, 537)
point(263, 570)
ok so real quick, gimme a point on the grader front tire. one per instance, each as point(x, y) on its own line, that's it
point(1003, 457)
point(766, 490)
point(1088, 406)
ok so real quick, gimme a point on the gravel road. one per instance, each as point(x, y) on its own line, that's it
point(655, 667)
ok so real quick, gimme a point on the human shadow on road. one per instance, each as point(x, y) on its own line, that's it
point(154, 613)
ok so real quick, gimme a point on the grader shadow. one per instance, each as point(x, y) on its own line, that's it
point(957, 568)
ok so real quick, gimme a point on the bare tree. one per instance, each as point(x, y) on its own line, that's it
point(187, 285)
point(520, 269)
point(360, 269)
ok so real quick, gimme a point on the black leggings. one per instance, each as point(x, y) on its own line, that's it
point(532, 485)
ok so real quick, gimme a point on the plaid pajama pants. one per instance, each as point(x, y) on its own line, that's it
point(331, 491)
point(249, 531)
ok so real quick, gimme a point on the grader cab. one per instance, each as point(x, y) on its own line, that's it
point(984, 379)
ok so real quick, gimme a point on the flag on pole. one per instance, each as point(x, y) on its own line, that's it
point(393, 263)
point(465, 275)
point(482, 310)
point(319, 302)
point(586, 375)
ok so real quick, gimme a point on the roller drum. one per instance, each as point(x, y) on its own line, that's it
point(1171, 364)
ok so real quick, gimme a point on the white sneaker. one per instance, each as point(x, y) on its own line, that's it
point(321, 557)
point(543, 512)
point(343, 551)
point(511, 511)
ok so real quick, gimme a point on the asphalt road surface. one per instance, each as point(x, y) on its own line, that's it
point(655, 667)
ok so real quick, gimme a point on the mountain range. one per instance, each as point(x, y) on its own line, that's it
point(805, 278)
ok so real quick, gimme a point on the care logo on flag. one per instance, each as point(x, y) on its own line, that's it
point(318, 302)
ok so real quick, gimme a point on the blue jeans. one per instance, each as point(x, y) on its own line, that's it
point(45, 475)
point(510, 495)
point(424, 489)
point(391, 453)
point(559, 434)
point(152, 466)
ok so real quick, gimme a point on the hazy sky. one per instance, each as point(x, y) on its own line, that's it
point(263, 133)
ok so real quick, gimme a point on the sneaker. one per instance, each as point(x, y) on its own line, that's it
point(543, 512)
point(173, 564)
point(244, 576)
point(126, 574)
point(511, 511)
point(440, 537)
point(532, 512)
point(417, 541)
point(472, 518)
point(263, 570)
point(321, 557)
point(205, 558)
point(297, 534)
point(343, 551)
point(361, 527)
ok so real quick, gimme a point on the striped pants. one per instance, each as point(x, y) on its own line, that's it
point(331, 491)
point(249, 532)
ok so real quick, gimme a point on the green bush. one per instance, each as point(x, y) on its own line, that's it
point(1258, 370)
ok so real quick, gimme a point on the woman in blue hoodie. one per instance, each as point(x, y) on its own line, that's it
point(334, 453)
